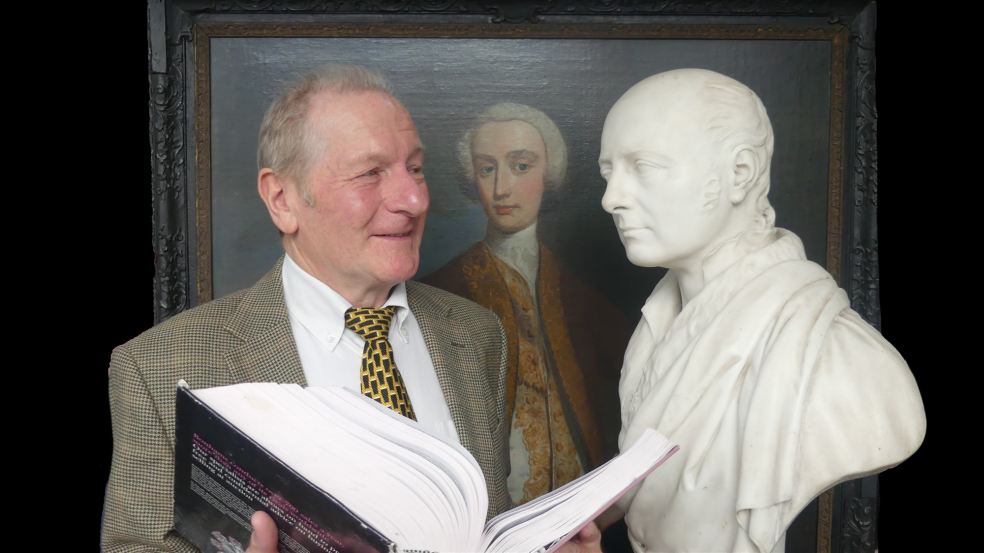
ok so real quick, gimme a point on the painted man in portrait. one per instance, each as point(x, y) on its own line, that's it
point(565, 342)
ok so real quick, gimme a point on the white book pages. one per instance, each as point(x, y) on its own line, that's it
point(421, 490)
point(470, 498)
point(518, 515)
point(417, 490)
point(554, 517)
point(406, 488)
point(322, 456)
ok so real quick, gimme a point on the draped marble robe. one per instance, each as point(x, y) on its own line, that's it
point(773, 387)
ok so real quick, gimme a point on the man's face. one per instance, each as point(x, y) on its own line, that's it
point(510, 160)
point(368, 199)
point(665, 178)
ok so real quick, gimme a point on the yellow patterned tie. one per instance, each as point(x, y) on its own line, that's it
point(380, 378)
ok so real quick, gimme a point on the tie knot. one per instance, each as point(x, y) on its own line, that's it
point(372, 323)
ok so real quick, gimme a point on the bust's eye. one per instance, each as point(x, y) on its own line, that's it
point(648, 168)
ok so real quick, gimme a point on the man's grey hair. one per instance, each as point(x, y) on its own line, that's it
point(553, 142)
point(736, 118)
point(285, 143)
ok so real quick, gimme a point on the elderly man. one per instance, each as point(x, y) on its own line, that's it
point(341, 176)
point(747, 354)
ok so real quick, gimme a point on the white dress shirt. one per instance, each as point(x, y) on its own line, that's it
point(331, 354)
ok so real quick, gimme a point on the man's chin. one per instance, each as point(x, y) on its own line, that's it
point(400, 272)
point(511, 226)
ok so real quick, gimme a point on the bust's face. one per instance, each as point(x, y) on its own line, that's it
point(510, 162)
point(666, 177)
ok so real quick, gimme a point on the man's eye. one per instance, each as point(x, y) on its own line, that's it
point(370, 173)
point(522, 167)
point(486, 170)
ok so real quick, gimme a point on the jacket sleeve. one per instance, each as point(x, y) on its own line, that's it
point(138, 509)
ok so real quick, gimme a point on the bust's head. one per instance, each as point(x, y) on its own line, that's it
point(686, 157)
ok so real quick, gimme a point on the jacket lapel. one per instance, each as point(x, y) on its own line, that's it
point(446, 344)
point(266, 351)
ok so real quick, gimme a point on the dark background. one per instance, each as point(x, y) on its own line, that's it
point(911, 168)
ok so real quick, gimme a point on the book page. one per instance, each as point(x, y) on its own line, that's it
point(410, 483)
point(551, 519)
point(254, 409)
point(451, 460)
point(417, 490)
point(222, 475)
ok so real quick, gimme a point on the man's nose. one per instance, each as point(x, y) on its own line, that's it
point(408, 194)
point(504, 184)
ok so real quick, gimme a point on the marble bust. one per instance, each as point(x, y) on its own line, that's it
point(747, 355)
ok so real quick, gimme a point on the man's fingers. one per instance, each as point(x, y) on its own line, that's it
point(589, 534)
point(264, 536)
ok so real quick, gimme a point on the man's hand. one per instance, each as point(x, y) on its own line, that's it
point(588, 540)
point(264, 536)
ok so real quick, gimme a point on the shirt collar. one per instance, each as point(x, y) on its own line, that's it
point(321, 310)
point(662, 306)
point(520, 250)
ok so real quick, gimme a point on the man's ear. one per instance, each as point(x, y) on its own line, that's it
point(746, 173)
point(279, 194)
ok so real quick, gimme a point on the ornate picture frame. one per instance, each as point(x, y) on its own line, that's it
point(216, 65)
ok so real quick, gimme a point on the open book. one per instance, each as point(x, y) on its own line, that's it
point(339, 472)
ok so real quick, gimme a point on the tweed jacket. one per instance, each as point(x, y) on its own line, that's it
point(246, 337)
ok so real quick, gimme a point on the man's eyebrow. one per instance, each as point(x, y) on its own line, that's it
point(483, 157)
point(381, 158)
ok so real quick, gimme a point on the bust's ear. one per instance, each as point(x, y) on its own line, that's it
point(746, 173)
point(275, 190)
